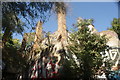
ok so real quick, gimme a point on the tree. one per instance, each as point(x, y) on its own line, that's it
point(116, 26)
point(15, 17)
point(12, 12)
point(86, 47)
point(13, 61)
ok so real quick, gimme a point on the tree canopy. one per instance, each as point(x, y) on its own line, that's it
point(87, 48)
point(116, 26)
point(17, 15)
point(83, 55)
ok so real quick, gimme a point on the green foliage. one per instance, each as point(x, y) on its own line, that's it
point(83, 23)
point(70, 70)
point(12, 11)
point(17, 15)
point(16, 43)
point(14, 62)
point(116, 26)
point(30, 38)
point(86, 47)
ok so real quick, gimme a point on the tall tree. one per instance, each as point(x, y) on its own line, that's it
point(12, 13)
point(86, 47)
point(15, 17)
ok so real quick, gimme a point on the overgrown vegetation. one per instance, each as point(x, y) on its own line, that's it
point(83, 58)
point(86, 47)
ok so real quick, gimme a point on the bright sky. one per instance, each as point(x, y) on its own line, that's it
point(102, 13)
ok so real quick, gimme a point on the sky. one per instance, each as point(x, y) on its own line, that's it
point(102, 13)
